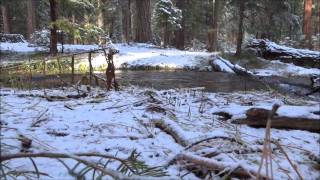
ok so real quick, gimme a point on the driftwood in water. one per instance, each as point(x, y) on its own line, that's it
point(257, 117)
point(272, 51)
point(222, 65)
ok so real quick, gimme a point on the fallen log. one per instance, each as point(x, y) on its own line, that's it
point(257, 117)
point(219, 64)
point(272, 51)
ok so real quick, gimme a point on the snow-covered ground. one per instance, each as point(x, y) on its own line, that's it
point(134, 55)
point(145, 55)
point(20, 47)
point(25, 47)
point(118, 122)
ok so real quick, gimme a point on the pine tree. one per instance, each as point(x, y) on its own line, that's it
point(168, 18)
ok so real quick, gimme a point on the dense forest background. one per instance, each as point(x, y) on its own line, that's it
point(211, 24)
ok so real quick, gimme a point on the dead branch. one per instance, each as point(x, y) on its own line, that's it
point(71, 85)
point(39, 119)
point(237, 151)
point(16, 173)
point(129, 137)
point(68, 107)
point(211, 164)
point(172, 130)
point(155, 108)
point(210, 138)
point(286, 155)
point(55, 98)
point(120, 106)
point(100, 78)
point(267, 151)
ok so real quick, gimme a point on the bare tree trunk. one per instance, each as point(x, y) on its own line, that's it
point(126, 20)
point(240, 27)
point(179, 33)
point(111, 29)
point(143, 20)
point(213, 30)
point(73, 20)
point(216, 15)
point(5, 17)
point(30, 18)
point(166, 35)
point(53, 37)
point(100, 15)
point(318, 28)
point(307, 26)
point(318, 17)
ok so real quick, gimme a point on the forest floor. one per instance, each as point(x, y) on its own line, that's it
point(119, 122)
point(160, 125)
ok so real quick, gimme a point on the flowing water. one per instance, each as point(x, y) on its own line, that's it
point(211, 81)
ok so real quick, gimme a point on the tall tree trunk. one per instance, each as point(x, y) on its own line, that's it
point(240, 27)
point(318, 17)
point(179, 33)
point(30, 18)
point(73, 20)
point(166, 35)
point(100, 14)
point(213, 30)
point(269, 28)
point(5, 17)
point(307, 26)
point(53, 30)
point(126, 20)
point(143, 20)
point(111, 29)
